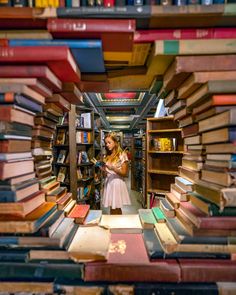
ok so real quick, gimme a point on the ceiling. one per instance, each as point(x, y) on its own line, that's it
point(123, 110)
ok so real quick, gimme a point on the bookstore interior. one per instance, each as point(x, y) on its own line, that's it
point(161, 74)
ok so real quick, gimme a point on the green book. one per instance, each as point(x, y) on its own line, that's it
point(159, 215)
point(210, 208)
point(147, 218)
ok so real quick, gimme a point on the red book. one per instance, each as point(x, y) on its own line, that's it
point(16, 114)
point(79, 213)
point(32, 83)
point(108, 3)
point(216, 100)
point(16, 168)
point(58, 59)
point(116, 34)
point(3, 42)
point(182, 34)
point(92, 86)
point(43, 73)
point(128, 262)
point(202, 221)
point(207, 270)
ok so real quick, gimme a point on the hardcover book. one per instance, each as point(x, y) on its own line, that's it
point(198, 78)
point(88, 54)
point(28, 224)
point(147, 218)
point(14, 113)
point(32, 83)
point(116, 35)
point(121, 223)
point(12, 169)
point(90, 244)
point(43, 73)
point(79, 213)
point(59, 59)
point(23, 207)
point(93, 218)
point(21, 101)
point(128, 261)
point(181, 68)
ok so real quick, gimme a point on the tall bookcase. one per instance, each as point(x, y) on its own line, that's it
point(164, 154)
point(77, 134)
point(136, 164)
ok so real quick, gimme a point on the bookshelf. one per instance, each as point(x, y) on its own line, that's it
point(136, 164)
point(143, 195)
point(127, 140)
point(98, 156)
point(74, 147)
point(164, 146)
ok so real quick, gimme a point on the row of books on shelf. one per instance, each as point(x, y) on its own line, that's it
point(82, 157)
point(103, 3)
point(163, 144)
point(84, 120)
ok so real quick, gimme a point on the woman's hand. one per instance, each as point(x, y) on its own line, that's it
point(110, 167)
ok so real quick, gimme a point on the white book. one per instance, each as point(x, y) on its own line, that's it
point(90, 244)
point(122, 223)
point(87, 119)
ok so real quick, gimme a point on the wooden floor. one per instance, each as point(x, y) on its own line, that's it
point(135, 203)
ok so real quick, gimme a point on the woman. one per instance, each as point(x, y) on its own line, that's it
point(115, 193)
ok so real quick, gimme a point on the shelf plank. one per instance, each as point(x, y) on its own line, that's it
point(167, 172)
point(164, 130)
point(166, 152)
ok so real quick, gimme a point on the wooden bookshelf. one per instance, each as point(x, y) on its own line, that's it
point(79, 147)
point(136, 164)
point(164, 146)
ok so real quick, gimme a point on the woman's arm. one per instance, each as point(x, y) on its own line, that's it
point(122, 171)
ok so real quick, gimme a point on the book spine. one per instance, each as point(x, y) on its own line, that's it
point(104, 12)
point(91, 25)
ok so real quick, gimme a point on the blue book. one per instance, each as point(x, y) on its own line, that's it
point(22, 101)
point(41, 271)
point(155, 251)
point(14, 255)
point(87, 53)
point(177, 289)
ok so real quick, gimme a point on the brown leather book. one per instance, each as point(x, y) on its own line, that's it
point(208, 270)
point(32, 83)
point(28, 224)
point(198, 78)
point(13, 113)
point(71, 93)
point(14, 145)
point(23, 207)
point(42, 73)
point(60, 101)
point(182, 66)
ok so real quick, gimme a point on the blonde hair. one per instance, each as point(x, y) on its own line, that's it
point(118, 150)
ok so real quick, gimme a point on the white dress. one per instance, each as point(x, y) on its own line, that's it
point(115, 193)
